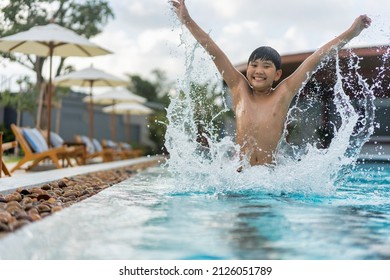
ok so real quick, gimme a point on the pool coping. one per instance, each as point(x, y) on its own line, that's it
point(27, 180)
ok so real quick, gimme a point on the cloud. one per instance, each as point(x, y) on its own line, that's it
point(145, 34)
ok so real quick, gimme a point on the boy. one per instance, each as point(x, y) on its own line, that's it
point(260, 109)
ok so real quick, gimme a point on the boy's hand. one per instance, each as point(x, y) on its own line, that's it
point(359, 24)
point(181, 10)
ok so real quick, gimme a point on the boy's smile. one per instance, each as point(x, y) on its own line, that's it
point(261, 74)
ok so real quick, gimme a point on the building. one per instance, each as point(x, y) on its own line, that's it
point(72, 118)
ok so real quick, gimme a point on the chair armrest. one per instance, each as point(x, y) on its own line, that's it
point(8, 145)
point(73, 143)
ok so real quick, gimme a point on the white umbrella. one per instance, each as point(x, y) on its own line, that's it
point(128, 109)
point(89, 77)
point(112, 97)
point(118, 95)
point(86, 76)
point(47, 41)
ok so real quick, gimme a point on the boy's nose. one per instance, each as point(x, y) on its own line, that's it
point(259, 70)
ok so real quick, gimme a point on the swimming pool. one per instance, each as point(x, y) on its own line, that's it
point(149, 216)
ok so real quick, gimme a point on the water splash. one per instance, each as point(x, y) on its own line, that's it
point(306, 167)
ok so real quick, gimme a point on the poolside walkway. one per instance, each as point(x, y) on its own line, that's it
point(29, 179)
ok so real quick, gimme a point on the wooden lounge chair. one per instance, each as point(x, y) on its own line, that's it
point(122, 150)
point(130, 151)
point(94, 149)
point(116, 150)
point(4, 147)
point(75, 150)
point(36, 150)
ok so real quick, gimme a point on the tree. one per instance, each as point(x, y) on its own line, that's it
point(156, 92)
point(210, 111)
point(86, 18)
point(23, 100)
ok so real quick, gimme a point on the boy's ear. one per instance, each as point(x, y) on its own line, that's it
point(278, 75)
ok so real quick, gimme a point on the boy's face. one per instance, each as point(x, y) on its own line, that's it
point(261, 74)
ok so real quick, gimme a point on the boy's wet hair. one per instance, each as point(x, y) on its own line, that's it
point(266, 53)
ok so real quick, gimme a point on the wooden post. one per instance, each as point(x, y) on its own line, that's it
point(1, 152)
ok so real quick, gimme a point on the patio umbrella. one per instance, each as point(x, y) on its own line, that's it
point(112, 97)
point(89, 77)
point(48, 41)
point(128, 109)
point(118, 95)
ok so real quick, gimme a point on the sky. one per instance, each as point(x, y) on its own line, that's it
point(145, 34)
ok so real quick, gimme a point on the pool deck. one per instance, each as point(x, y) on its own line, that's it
point(30, 179)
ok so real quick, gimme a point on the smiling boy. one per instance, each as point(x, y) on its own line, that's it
point(260, 109)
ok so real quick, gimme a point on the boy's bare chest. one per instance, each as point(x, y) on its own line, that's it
point(256, 113)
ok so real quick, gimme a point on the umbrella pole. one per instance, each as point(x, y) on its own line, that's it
point(90, 112)
point(128, 128)
point(113, 122)
point(49, 98)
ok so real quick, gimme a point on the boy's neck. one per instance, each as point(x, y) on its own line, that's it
point(262, 92)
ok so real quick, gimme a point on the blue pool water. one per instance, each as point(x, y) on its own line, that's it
point(151, 217)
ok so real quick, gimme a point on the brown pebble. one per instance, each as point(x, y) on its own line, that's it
point(52, 200)
point(28, 206)
point(46, 187)
point(5, 217)
point(35, 217)
point(26, 200)
point(33, 211)
point(13, 204)
point(45, 214)
point(13, 197)
point(62, 184)
point(43, 208)
point(37, 191)
point(70, 193)
point(14, 210)
point(18, 224)
point(4, 227)
point(23, 216)
point(25, 192)
point(56, 208)
point(43, 197)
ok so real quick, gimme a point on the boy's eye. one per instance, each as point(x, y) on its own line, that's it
point(266, 65)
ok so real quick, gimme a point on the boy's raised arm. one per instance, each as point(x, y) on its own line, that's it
point(306, 69)
point(223, 64)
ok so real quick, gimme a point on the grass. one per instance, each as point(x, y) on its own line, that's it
point(11, 158)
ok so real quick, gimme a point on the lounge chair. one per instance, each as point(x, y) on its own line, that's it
point(35, 148)
point(122, 150)
point(75, 150)
point(116, 149)
point(130, 151)
point(4, 147)
point(94, 149)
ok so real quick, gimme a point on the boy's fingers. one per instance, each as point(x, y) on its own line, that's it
point(174, 3)
point(366, 20)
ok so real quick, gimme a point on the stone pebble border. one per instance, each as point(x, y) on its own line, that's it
point(26, 205)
